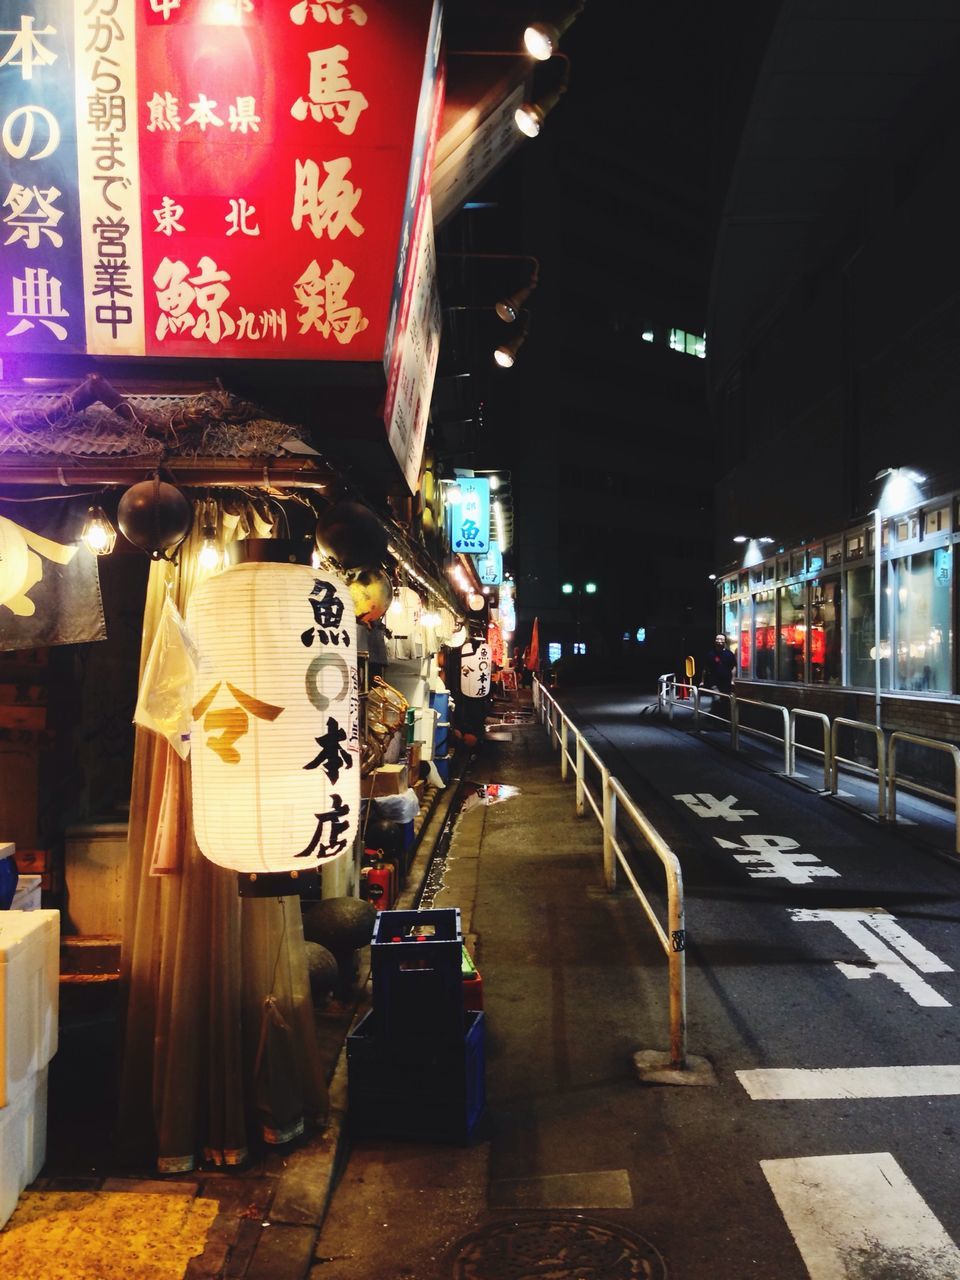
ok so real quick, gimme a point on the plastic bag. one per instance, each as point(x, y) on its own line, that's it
point(165, 701)
point(400, 808)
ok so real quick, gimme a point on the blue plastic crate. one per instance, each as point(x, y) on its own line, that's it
point(415, 1102)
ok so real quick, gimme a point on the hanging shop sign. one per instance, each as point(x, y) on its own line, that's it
point(508, 609)
point(490, 566)
point(49, 581)
point(412, 344)
point(156, 155)
point(470, 516)
point(275, 732)
point(475, 669)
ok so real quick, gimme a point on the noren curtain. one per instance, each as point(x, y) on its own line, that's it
point(219, 1039)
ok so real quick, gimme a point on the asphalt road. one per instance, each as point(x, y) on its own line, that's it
point(823, 974)
point(824, 945)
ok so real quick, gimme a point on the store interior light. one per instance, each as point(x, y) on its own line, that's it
point(99, 535)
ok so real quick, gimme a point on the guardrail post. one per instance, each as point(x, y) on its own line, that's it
point(579, 801)
point(881, 775)
point(696, 707)
point(563, 747)
point(786, 741)
point(609, 827)
point(734, 723)
point(676, 964)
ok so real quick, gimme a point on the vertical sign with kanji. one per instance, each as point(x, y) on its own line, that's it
point(470, 516)
point(41, 284)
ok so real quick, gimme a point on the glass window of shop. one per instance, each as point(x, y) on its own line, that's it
point(792, 633)
point(923, 601)
point(764, 634)
point(861, 634)
point(745, 647)
point(730, 628)
point(825, 631)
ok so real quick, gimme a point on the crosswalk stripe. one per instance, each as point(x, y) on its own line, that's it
point(785, 1083)
point(860, 1215)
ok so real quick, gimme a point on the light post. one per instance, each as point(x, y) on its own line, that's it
point(900, 491)
point(577, 590)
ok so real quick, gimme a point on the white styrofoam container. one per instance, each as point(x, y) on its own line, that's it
point(29, 995)
point(23, 1140)
point(27, 895)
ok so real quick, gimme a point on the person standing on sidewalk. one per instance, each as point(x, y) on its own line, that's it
point(719, 668)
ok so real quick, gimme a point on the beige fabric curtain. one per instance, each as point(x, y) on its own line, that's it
point(219, 1044)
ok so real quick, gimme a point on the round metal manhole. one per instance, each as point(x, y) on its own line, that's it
point(557, 1247)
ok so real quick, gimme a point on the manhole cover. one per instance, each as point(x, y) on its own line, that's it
point(558, 1248)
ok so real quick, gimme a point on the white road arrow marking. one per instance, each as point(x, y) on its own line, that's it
point(705, 805)
point(794, 1084)
point(773, 859)
point(854, 1216)
point(870, 929)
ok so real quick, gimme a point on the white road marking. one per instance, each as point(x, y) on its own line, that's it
point(871, 928)
point(793, 1083)
point(856, 1216)
point(705, 805)
point(772, 858)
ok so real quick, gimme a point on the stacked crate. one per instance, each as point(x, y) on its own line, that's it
point(29, 1011)
point(415, 1062)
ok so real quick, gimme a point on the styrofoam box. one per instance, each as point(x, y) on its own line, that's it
point(29, 995)
point(23, 1140)
point(27, 896)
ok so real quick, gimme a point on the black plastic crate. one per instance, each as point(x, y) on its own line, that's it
point(416, 963)
point(415, 1102)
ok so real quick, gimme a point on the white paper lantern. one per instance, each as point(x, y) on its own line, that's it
point(275, 745)
point(14, 560)
point(475, 669)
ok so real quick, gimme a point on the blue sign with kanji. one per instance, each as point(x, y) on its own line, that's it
point(470, 516)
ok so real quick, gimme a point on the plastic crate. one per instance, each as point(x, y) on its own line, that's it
point(415, 1102)
point(415, 958)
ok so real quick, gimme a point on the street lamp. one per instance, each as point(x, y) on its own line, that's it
point(900, 490)
point(754, 553)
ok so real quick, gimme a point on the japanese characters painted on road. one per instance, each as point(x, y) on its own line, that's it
point(157, 155)
point(470, 515)
point(275, 733)
point(475, 669)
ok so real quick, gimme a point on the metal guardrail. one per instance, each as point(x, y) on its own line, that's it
point(613, 795)
point(827, 745)
point(935, 745)
point(877, 732)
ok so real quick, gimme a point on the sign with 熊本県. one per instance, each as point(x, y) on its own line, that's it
point(228, 178)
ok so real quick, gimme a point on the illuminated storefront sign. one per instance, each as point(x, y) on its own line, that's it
point(229, 178)
point(470, 516)
point(490, 566)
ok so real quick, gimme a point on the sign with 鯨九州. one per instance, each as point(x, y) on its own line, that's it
point(157, 155)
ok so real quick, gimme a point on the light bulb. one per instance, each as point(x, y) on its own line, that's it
point(209, 555)
point(99, 535)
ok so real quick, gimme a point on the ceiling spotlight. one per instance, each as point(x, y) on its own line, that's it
point(540, 39)
point(509, 308)
point(99, 535)
point(506, 353)
point(530, 116)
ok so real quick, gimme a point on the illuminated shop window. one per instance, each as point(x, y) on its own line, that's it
point(689, 343)
point(553, 651)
